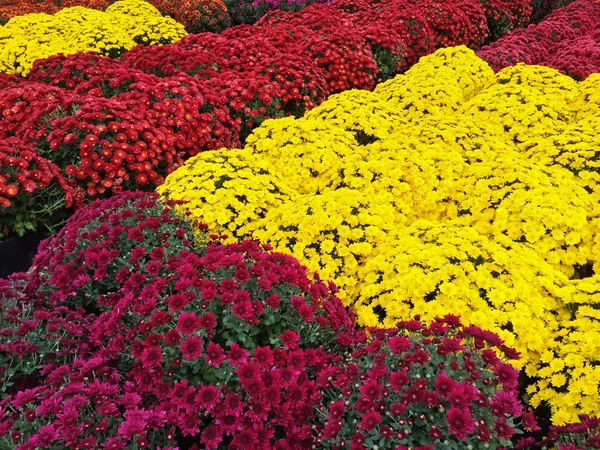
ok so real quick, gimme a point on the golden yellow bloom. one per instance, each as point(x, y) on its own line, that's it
point(332, 233)
point(306, 152)
point(432, 269)
point(228, 190)
point(365, 114)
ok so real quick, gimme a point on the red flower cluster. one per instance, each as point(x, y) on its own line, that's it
point(541, 8)
point(567, 40)
point(29, 335)
point(419, 387)
point(33, 192)
point(506, 15)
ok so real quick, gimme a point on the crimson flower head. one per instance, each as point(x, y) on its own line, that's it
point(369, 420)
point(529, 422)
point(191, 348)
point(460, 422)
point(214, 354)
point(188, 323)
point(371, 390)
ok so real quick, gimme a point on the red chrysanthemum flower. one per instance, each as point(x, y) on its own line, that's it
point(460, 422)
point(191, 348)
point(188, 323)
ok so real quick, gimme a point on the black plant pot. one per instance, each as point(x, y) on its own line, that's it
point(16, 253)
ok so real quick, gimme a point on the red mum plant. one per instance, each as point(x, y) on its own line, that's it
point(108, 145)
point(541, 8)
point(564, 40)
point(518, 46)
point(85, 405)
point(221, 344)
point(175, 103)
point(10, 80)
point(68, 71)
point(90, 404)
point(24, 105)
point(250, 100)
point(413, 28)
point(504, 16)
point(172, 59)
point(580, 59)
point(10, 9)
point(456, 22)
point(425, 387)
point(341, 52)
point(34, 194)
point(137, 261)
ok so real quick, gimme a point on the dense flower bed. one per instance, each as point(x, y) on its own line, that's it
point(136, 329)
point(113, 124)
point(567, 40)
point(449, 189)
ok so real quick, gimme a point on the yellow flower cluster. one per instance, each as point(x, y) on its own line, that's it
point(438, 84)
point(305, 153)
point(228, 190)
point(126, 23)
point(450, 189)
point(332, 233)
point(371, 118)
point(433, 268)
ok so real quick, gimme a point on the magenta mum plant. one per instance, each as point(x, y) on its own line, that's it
point(423, 387)
point(220, 344)
point(31, 337)
point(175, 302)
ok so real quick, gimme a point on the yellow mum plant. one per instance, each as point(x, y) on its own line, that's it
point(545, 79)
point(305, 152)
point(474, 141)
point(433, 269)
point(570, 375)
point(472, 74)
point(333, 233)
point(28, 38)
point(228, 190)
point(365, 114)
point(89, 30)
point(542, 207)
point(439, 84)
point(587, 100)
point(415, 178)
point(134, 8)
point(522, 112)
point(575, 147)
point(126, 23)
point(429, 92)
